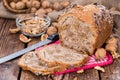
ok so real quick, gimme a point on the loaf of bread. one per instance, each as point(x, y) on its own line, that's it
point(85, 28)
point(56, 54)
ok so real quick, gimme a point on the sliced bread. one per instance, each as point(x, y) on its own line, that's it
point(30, 62)
point(56, 54)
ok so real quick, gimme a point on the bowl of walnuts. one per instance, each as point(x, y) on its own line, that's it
point(32, 25)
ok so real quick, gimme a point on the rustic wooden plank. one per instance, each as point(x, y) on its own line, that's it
point(87, 75)
point(9, 44)
point(112, 72)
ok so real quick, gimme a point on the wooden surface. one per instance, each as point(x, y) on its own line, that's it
point(10, 43)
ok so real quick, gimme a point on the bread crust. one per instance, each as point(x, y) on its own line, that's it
point(99, 19)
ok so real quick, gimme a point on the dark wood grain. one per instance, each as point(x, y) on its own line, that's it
point(112, 72)
point(9, 43)
point(87, 75)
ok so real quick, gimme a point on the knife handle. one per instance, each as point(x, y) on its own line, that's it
point(53, 37)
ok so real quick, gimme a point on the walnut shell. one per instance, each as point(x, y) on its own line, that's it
point(28, 4)
point(51, 30)
point(100, 53)
point(12, 5)
point(25, 1)
point(41, 11)
point(46, 4)
point(36, 4)
point(57, 6)
point(48, 10)
point(33, 10)
point(14, 30)
point(20, 5)
point(65, 3)
point(24, 39)
point(44, 36)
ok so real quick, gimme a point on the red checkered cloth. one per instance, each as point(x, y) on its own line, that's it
point(92, 62)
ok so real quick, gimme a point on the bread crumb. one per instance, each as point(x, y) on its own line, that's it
point(80, 71)
point(99, 68)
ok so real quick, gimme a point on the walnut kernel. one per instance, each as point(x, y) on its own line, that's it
point(51, 30)
point(99, 68)
point(14, 30)
point(100, 53)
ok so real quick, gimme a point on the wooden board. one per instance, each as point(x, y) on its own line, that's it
point(8, 44)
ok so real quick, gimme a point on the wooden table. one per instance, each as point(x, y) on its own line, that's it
point(10, 43)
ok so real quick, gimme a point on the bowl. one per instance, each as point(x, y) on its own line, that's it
point(32, 25)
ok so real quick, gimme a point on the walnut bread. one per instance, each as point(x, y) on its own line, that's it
point(38, 61)
point(85, 28)
point(30, 62)
point(56, 54)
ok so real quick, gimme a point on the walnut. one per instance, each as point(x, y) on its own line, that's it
point(20, 5)
point(28, 4)
point(44, 36)
point(36, 4)
point(55, 24)
point(14, 30)
point(41, 11)
point(36, 31)
point(111, 47)
point(57, 6)
point(46, 4)
point(12, 5)
point(25, 1)
point(99, 68)
point(112, 40)
point(80, 71)
point(33, 10)
point(100, 53)
point(48, 10)
point(24, 38)
point(51, 30)
point(65, 3)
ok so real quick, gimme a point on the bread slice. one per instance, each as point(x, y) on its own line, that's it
point(30, 62)
point(85, 28)
point(56, 54)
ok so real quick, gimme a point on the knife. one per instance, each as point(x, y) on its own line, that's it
point(50, 39)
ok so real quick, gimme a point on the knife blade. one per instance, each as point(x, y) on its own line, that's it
point(50, 39)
